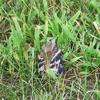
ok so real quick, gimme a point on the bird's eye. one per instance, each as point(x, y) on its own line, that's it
point(50, 40)
point(55, 49)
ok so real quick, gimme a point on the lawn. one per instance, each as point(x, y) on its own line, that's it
point(25, 25)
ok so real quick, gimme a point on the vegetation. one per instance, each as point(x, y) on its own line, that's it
point(25, 25)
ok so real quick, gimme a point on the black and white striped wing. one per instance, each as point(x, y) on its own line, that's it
point(41, 65)
point(56, 63)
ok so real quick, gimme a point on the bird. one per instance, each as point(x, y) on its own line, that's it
point(50, 56)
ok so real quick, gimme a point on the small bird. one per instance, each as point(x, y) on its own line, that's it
point(50, 57)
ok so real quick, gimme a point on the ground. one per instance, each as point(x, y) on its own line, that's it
point(25, 25)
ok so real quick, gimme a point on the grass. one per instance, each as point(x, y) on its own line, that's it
point(25, 25)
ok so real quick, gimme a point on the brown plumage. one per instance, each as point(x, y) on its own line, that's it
point(50, 56)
